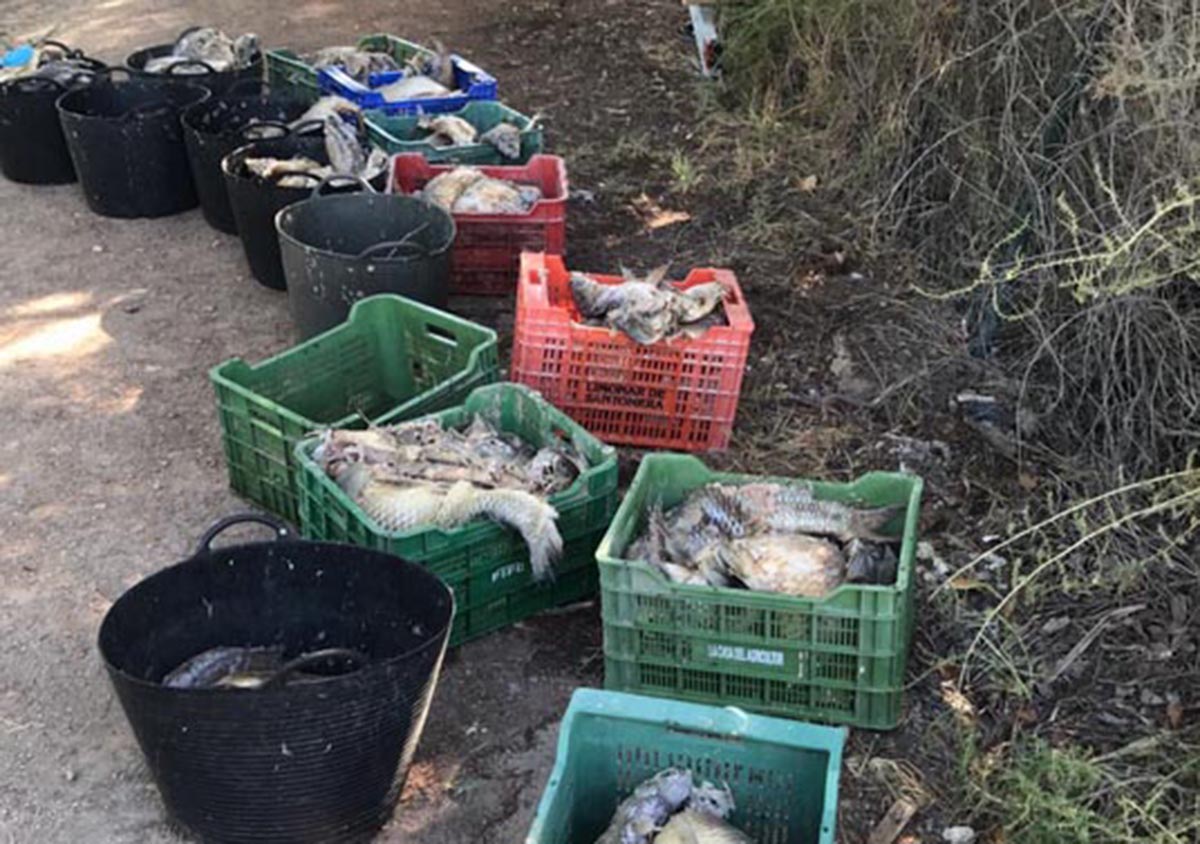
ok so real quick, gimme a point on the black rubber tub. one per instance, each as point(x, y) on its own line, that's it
point(216, 81)
point(32, 147)
point(321, 760)
point(255, 203)
point(214, 128)
point(126, 143)
point(340, 248)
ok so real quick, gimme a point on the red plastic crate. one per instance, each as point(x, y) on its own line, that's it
point(679, 394)
point(487, 249)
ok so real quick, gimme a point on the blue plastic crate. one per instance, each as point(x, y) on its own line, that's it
point(472, 81)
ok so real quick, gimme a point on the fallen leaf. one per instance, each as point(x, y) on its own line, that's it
point(1027, 481)
point(1027, 714)
point(655, 216)
point(807, 185)
point(892, 824)
point(1174, 712)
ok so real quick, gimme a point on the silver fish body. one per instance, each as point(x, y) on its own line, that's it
point(694, 827)
point(496, 196)
point(505, 137)
point(794, 509)
point(444, 189)
point(640, 815)
point(787, 564)
point(447, 130)
point(412, 88)
point(224, 666)
point(345, 152)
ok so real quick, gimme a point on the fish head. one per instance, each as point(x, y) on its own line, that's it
point(506, 138)
point(589, 295)
point(697, 302)
point(245, 47)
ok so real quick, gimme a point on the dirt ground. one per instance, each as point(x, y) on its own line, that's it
point(113, 466)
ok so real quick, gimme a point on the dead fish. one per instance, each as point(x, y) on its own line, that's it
point(794, 509)
point(225, 666)
point(345, 152)
point(694, 827)
point(401, 508)
point(496, 196)
point(209, 45)
point(505, 137)
point(641, 308)
point(870, 562)
point(787, 564)
point(551, 468)
point(327, 106)
point(358, 64)
point(698, 302)
point(446, 130)
point(288, 172)
point(640, 815)
point(66, 71)
point(444, 189)
point(412, 88)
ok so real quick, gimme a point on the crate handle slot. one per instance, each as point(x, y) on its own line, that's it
point(442, 334)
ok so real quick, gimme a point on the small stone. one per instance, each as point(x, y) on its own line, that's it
point(958, 835)
point(97, 248)
point(70, 775)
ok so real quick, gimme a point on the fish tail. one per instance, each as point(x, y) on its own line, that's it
point(530, 516)
point(870, 524)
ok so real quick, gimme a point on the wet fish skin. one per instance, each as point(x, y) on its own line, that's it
point(447, 130)
point(644, 811)
point(794, 509)
point(412, 88)
point(692, 827)
point(699, 301)
point(345, 153)
point(444, 189)
point(210, 668)
point(505, 137)
point(870, 562)
point(358, 64)
point(496, 196)
point(330, 104)
point(787, 564)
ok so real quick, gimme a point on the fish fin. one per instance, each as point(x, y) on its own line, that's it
point(658, 276)
point(869, 524)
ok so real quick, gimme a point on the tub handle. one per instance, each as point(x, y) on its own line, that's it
point(280, 677)
point(71, 52)
point(173, 70)
point(282, 531)
point(319, 190)
point(249, 131)
point(307, 125)
point(404, 244)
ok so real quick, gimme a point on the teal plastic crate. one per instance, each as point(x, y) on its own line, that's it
point(485, 564)
point(391, 360)
point(783, 774)
point(287, 71)
point(397, 133)
point(840, 658)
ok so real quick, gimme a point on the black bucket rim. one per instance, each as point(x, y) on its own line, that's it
point(11, 85)
point(143, 54)
point(191, 113)
point(299, 207)
point(284, 539)
point(240, 152)
point(75, 114)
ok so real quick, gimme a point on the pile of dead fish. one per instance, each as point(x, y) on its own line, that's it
point(423, 76)
point(447, 130)
point(649, 309)
point(421, 475)
point(670, 808)
point(348, 152)
point(467, 190)
point(204, 48)
point(768, 538)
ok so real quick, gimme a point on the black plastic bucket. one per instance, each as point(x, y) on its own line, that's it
point(213, 129)
point(255, 203)
point(32, 147)
point(216, 81)
point(317, 761)
point(340, 248)
point(127, 146)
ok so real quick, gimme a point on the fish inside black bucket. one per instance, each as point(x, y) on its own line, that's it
point(231, 667)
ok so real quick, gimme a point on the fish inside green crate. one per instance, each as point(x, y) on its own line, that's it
point(418, 474)
point(208, 45)
point(648, 309)
point(672, 808)
point(768, 537)
point(448, 130)
point(358, 63)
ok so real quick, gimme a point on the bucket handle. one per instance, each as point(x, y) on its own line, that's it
point(173, 70)
point(71, 52)
point(282, 531)
point(150, 109)
point(391, 246)
point(307, 125)
point(342, 177)
point(280, 677)
point(247, 132)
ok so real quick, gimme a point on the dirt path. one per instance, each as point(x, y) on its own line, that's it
point(112, 465)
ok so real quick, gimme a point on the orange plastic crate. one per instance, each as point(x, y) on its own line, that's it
point(680, 394)
point(487, 249)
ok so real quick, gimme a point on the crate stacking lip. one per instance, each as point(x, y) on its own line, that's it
point(400, 133)
point(486, 257)
point(393, 359)
point(840, 658)
point(287, 69)
point(485, 564)
point(679, 394)
point(783, 774)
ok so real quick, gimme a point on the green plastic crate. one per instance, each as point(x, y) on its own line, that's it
point(485, 564)
point(392, 359)
point(840, 658)
point(396, 133)
point(288, 72)
point(783, 774)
